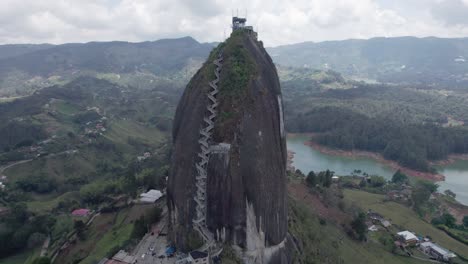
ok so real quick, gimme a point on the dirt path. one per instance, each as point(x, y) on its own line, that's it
point(45, 247)
point(2, 169)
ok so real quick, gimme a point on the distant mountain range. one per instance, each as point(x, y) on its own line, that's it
point(25, 68)
point(413, 60)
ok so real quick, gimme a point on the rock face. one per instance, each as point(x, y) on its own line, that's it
point(246, 201)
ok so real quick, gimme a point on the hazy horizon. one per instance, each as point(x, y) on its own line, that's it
point(201, 42)
point(278, 22)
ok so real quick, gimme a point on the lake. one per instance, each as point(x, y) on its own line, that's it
point(308, 159)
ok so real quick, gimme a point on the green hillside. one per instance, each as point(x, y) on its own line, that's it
point(428, 61)
point(144, 64)
point(74, 146)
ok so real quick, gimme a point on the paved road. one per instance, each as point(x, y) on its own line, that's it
point(157, 243)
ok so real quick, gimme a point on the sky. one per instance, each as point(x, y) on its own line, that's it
point(278, 22)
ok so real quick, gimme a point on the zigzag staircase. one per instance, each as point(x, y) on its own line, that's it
point(199, 222)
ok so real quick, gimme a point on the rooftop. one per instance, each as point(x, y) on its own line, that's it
point(151, 196)
point(80, 212)
point(442, 251)
point(407, 235)
point(123, 257)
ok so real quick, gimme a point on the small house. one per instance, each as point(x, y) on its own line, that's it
point(408, 238)
point(151, 196)
point(81, 212)
point(436, 251)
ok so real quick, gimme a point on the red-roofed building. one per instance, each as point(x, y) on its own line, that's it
point(81, 212)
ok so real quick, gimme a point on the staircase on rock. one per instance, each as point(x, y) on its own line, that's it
point(201, 166)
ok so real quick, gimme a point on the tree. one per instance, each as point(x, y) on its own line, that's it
point(450, 220)
point(92, 193)
point(79, 227)
point(377, 181)
point(363, 183)
point(399, 177)
point(422, 192)
point(139, 228)
point(328, 179)
point(311, 179)
point(42, 260)
point(299, 173)
point(129, 180)
point(36, 239)
point(465, 220)
point(359, 226)
point(321, 177)
point(19, 213)
point(154, 215)
point(445, 219)
point(450, 193)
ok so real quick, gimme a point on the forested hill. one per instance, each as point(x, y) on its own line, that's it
point(25, 68)
point(156, 57)
point(12, 50)
point(404, 124)
point(411, 145)
point(398, 60)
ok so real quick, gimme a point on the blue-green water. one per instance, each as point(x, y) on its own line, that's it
point(307, 159)
point(456, 179)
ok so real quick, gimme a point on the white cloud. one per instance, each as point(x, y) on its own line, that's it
point(278, 21)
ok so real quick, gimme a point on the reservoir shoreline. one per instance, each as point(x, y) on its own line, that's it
point(379, 158)
point(313, 157)
point(436, 177)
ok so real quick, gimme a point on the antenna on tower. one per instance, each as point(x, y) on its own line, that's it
point(237, 12)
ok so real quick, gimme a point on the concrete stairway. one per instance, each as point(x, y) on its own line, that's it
point(205, 137)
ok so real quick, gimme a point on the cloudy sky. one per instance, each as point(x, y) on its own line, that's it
point(278, 21)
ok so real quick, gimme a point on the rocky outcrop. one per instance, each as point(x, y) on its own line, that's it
point(246, 202)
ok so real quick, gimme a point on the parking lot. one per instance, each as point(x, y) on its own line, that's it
point(154, 245)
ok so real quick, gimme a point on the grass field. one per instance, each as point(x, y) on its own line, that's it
point(25, 257)
point(327, 243)
point(120, 131)
point(116, 237)
point(42, 204)
point(405, 218)
point(106, 232)
point(65, 107)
